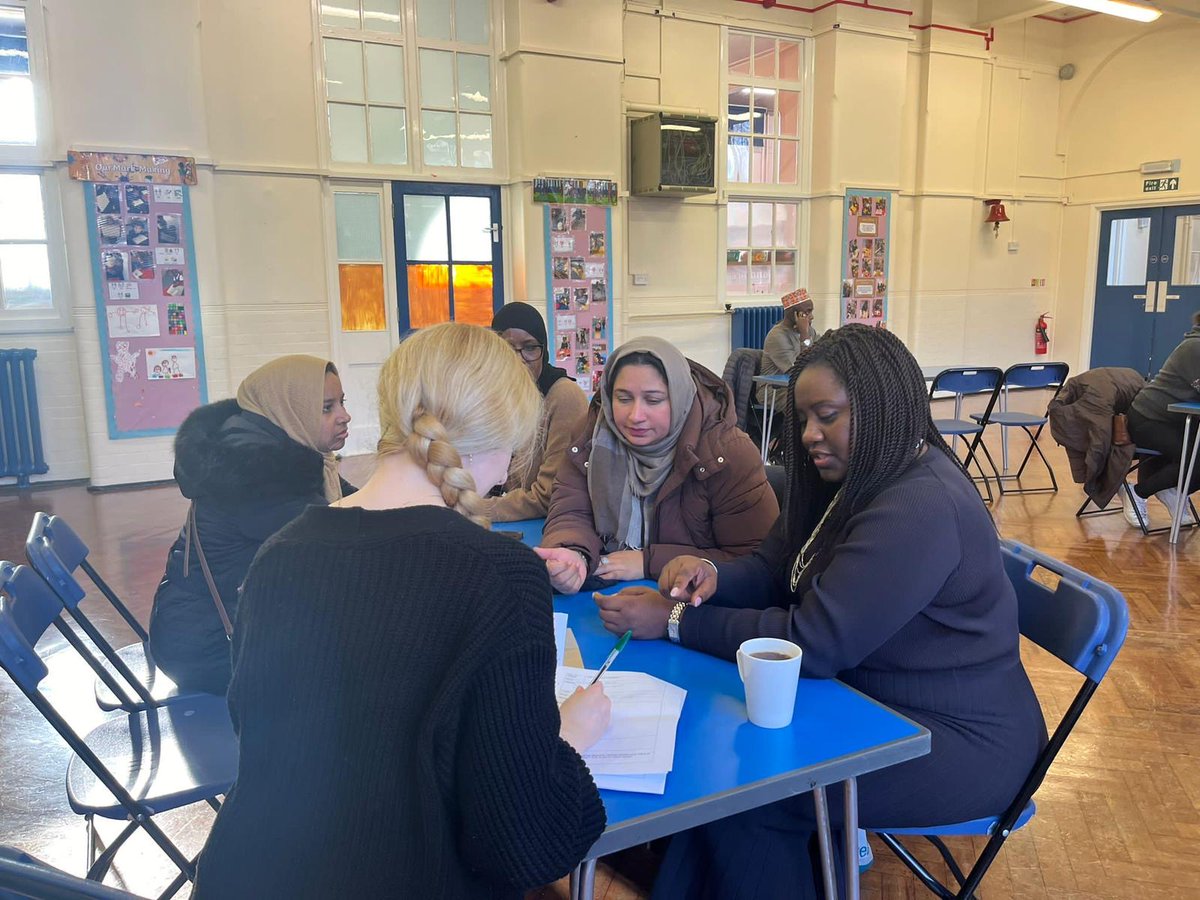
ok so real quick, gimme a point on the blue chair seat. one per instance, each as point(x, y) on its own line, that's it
point(956, 426)
point(1012, 419)
point(167, 757)
point(984, 826)
point(159, 685)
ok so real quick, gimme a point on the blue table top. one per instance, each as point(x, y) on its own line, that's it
point(1190, 409)
point(781, 378)
point(723, 764)
point(530, 529)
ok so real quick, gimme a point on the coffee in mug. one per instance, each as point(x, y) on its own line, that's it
point(770, 654)
point(770, 671)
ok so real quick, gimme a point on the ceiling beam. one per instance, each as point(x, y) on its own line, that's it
point(1001, 12)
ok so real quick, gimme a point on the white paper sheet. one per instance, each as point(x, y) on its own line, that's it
point(637, 784)
point(640, 739)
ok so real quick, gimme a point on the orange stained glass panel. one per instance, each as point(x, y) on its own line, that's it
point(429, 295)
point(473, 295)
point(362, 297)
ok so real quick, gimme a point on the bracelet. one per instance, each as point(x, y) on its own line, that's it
point(711, 563)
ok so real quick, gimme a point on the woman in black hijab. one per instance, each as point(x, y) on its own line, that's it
point(564, 412)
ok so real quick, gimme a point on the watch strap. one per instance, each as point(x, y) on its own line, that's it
point(673, 621)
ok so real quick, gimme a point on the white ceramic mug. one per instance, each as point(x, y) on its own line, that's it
point(770, 670)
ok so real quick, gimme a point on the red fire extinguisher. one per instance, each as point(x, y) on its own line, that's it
point(1041, 336)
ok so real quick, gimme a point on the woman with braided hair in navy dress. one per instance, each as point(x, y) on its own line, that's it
point(885, 568)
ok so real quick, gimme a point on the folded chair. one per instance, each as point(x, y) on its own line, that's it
point(1026, 375)
point(1139, 455)
point(962, 382)
point(1081, 621)
point(56, 552)
point(134, 765)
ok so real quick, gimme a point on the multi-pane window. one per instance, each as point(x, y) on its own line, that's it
point(380, 83)
point(360, 260)
point(760, 256)
point(24, 256)
point(764, 109)
point(18, 124)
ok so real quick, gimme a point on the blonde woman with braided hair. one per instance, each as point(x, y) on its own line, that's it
point(393, 682)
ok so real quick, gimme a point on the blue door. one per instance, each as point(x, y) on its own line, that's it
point(1147, 286)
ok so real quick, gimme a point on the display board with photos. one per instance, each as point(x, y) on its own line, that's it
point(865, 246)
point(579, 290)
point(147, 305)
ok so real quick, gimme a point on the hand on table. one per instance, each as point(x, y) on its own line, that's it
point(688, 578)
point(565, 566)
point(642, 610)
point(584, 716)
point(623, 565)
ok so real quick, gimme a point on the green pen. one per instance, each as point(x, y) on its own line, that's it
point(612, 656)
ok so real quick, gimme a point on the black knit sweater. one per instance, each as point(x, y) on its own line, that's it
point(393, 694)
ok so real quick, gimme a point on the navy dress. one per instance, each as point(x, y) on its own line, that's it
point(912, 608)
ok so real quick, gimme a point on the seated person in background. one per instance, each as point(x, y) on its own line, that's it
point(249, 466)
point(564, 409)
point(393, 687)
point(785, 340)
point(885, 568)
point(661, 470)
point(1152, 427)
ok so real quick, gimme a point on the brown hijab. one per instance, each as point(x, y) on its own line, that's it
point(290, 392)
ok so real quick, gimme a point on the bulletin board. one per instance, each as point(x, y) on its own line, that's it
point(579, 289)
point(866, 243)
point(139, 227)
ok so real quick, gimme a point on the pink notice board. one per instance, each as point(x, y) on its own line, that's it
point(579, 289)
point(147, 303)
point(865, 247)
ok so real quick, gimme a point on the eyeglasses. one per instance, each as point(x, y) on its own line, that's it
point(530, 352)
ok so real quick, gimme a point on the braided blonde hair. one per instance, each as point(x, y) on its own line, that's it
point(452, 390)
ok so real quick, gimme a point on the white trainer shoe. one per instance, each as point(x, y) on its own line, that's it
point(1130, 515)
point(1170, 499)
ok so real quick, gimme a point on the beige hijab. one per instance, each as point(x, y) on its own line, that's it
point(290, 392)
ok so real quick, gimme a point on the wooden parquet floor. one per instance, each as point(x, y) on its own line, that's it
point(1118, 815)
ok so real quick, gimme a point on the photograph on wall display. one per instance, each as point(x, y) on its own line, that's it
point(577, 271)
point(562, 243)
point(850, 308)
point(599, 327)
point(561, 268)
point(574, 190)
point(564, 322)
point(141, 265)
point(581, 337)
point(581, 297)
point(110, 229)
point(558, 218)
point(168, 229)
point(864, 309)
point(597, 379)
point(562, 299)
point(599, 354)
point(582, 366)
point(114, 265)
point(877, 307)
point(130, 320)
point(172, 283)
point(867, 227)
point(599, 292)
point(594, 270)
point(137, 198)
point(176, 319)
point(564, 347)
point(596, 243)
point(170, 363)
point(847, 287)
point(137, 231)
point(578, 218)
point(108, 198)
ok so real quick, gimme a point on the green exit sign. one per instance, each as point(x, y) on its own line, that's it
point(1155, 185)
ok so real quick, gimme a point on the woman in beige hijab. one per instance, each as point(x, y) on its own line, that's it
point(249, 466)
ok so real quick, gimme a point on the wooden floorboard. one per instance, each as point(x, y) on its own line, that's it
point(1118, 815)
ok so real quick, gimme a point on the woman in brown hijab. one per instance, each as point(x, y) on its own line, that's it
point(248, 466)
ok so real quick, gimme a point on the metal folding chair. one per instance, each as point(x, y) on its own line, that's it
point(1026, 375)
point(22, 876)
point(56, 552)
point(962, 382)
point(134, 765)
point(1139, 455)
point(1083, 622)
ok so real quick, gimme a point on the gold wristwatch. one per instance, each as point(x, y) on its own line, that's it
point(673, 621)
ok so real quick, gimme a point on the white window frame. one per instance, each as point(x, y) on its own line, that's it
point(743, 192)
point(387, 236)
point(36, 159)
point(412, 44)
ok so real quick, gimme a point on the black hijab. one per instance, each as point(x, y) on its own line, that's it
point(527, 318)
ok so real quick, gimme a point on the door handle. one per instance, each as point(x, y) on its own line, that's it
point(1149, 296)
point(494, 230)
point(1163, 297)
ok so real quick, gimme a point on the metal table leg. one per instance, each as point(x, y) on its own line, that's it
point(583, 880)
point(825, 840)
point(1185, 478)
point(1004, 432)
point(850, 843)
point(770, 417)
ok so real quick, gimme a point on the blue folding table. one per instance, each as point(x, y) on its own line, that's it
point(724, 765)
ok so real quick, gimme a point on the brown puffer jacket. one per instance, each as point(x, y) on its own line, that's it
point(1081, 419)
point(716, 502)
